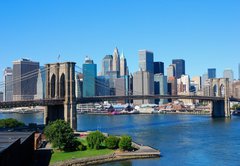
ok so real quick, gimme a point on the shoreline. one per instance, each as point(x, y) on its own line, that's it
point(142, 152)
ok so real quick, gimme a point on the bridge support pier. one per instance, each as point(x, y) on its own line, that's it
point(220, 108)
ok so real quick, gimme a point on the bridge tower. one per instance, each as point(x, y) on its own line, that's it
point(60, 84)
point(219, 87)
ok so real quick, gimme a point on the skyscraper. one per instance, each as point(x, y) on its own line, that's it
point(212, 73)
point(8, 88)
point(116, 61)
point(160, 87)
point(41, 83)
point(89, 77)
point(25, 74)
point(158, 68)
point(197, 83)
point(123, 66)
point(79, 85)
point(107, 64)
point(171, 71)
point(183, 84)
point(179, 67)
point(228, 73)
point(146, 61)
point(143, 84)
point(1, 96)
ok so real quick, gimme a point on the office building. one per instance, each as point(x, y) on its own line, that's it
point(179, 67)
point(25, 73)
point(143, 84)
point(239, 71)
point(228, 73)
point(183, 85)
point(171, 71)
point(41, 83)
point(1, 96)
point(158, 68)
point(116, 61)
point(211, 73)
point(146, 61)
point(89, 78)
point(102, 86)
point(204, 79)
point(79, 85)
point(120, 88)
point(107, 64)
point(160, 87)
point(196, 82)
point(8, 84)
point(123, 66)
point(172, 86)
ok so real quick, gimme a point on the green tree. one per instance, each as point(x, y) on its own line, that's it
point(125, 143)
point(61, 135)
point(236, 107)
point(10, 123)
point(95, 140)
point(111, 142)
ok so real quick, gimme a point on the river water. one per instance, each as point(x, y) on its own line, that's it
point(182, 139)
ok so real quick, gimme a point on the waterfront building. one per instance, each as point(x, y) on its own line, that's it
point(172, 86)
point(211, 73)
point(146, 61)
point(123, 66)
point(107, 64)
point(204, 79)
point(160, 87)
point(1, 96)
point(196, 82)
point(89, 78)
point(143, 84)
point(228, 73)
point(25, 73)
point(179, 67)
point(102, 86)
point(41, 83)
point(171, 71)
point(116, 61)
point(183, 84)
point(79, 85)
point(158, 68)
point(8, 84)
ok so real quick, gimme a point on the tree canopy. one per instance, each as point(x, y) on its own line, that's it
point(95, 140)
point(10, 123)
point(61, 135)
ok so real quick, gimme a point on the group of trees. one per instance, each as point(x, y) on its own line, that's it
point(10, 123)
point(61, 135)
point(96, 140)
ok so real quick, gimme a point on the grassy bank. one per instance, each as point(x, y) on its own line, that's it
point(62, 156)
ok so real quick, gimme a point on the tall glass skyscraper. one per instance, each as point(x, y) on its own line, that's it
point(211, 73)
point(107, 64)
point(41, 83)
point(179, 67)
point(89, 78)
point(146, 61)
point(8, 88)
point(228, 73)
point(158, 68)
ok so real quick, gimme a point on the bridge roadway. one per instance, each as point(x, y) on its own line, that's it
point(49, 102)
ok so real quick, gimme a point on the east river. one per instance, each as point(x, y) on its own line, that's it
point(182, 139)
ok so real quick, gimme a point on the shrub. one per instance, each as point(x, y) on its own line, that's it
point(82, 147)
point(95, 140)
point(10, 123)
point(61, 135)
point(125, 143)
point(111, 142)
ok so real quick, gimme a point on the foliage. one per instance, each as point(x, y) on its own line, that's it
point(10, 123)
point(82, 147)
point(61, 135)
point(125, 143)
point(111, 142)
point(95, 140)
point(236, 107)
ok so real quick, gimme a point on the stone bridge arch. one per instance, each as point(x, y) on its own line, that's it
point(219, 87)
point(60, 84)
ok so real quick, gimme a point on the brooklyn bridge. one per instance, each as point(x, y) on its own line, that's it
point(60, 101)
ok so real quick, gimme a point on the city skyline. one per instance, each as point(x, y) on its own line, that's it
point(42, 29)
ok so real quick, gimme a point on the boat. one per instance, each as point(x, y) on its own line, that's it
point(236, 113)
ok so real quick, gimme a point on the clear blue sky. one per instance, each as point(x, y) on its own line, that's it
point(206, 33)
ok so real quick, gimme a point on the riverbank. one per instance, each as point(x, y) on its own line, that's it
point(142, 152)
